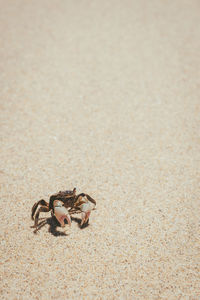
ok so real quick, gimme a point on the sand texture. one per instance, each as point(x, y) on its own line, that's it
point(103, 96)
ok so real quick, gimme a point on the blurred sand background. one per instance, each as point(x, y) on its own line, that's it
point(103, 96)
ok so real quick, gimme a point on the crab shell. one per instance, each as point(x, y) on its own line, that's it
point(67, 197)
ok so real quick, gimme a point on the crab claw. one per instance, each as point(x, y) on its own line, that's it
point(61, 213)
point(62, 218)
point(86, 211)
point(67, 216)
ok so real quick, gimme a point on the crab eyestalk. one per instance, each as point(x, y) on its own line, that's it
point(61, 213)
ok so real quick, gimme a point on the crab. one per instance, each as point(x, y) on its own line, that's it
point(63, 204)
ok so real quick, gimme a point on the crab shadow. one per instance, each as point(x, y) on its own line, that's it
point(78, 221)
point(53, 224)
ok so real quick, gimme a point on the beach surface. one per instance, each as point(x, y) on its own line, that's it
point(103, 96)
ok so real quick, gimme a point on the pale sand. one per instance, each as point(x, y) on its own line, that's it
point(104, 96)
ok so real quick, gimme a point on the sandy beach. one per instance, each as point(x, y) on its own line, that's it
point(103, 96)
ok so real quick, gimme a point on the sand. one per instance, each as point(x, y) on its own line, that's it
point(102, 96)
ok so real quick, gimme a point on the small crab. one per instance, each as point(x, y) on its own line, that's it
point(63, 204)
